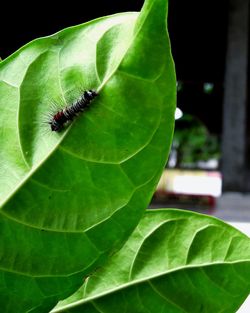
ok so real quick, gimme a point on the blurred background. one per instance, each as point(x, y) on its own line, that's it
point(208, 168)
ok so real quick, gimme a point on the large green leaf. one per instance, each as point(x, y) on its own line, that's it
point(174, 262)
point(69, 199)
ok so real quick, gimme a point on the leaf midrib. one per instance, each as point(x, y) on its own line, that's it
point(34, 169)
point(141, 281)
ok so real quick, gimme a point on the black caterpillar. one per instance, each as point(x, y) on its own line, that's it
point(63, 116)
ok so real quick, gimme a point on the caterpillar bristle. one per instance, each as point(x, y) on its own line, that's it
point(67, 114)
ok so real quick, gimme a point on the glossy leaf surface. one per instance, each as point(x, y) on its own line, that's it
point(175, 262)
point(68, 199)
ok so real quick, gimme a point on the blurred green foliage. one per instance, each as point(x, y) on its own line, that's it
point(193, 141)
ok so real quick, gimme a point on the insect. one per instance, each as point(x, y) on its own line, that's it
point(67, 114)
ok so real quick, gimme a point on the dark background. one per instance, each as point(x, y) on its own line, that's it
point(198, 31)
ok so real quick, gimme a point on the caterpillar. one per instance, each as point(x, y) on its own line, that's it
point(60, 118)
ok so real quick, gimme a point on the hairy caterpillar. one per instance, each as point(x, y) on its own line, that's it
point(60, 118)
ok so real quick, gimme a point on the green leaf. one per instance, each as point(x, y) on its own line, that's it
point(69, 199)
point(175, 262)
